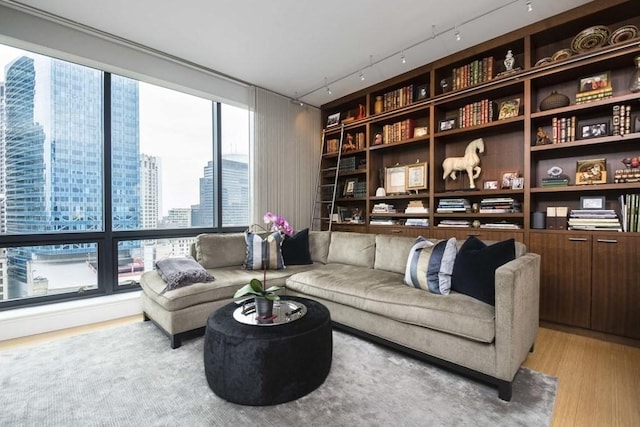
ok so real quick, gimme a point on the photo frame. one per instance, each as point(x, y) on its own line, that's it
point(509, 108)
point(594, 130)
point(595, 82)
point(343, 214)
point(591, 171)
point(349, 187)
point(592, 202)
point(416, 176)
point(333, 120)
point(506, 178)
point(447, 124)
point(422, 92)
point(395, 180)
point(490, 185)
point(517, 183)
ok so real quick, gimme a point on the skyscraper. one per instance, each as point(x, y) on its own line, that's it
point(54, 154)
point(235, 190)
point(149, 191)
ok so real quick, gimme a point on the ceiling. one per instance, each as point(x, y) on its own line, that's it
point(299, 48)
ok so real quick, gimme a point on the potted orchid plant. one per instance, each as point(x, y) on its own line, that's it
point(264, 297)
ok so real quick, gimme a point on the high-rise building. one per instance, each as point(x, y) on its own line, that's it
point(149, 191)
point(3, 205)
point(235, 190)
point(178, 217)
point(204, 214)
point(54, 155)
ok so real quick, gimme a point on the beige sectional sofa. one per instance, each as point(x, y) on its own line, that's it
point(359, 277)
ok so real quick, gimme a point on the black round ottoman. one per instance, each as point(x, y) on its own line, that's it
point(267, 365)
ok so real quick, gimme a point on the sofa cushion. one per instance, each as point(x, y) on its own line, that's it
point(475, 267)
point(429, 266)
point(383, 292)
point(215, 250)
point(392, 252)
point(181, 271)
point(295, 249)
point(319, 245)
point(264, 253)
point(357, 249)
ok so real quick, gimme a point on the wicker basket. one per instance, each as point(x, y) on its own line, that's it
point(555, 100)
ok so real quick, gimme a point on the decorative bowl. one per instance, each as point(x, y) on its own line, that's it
point(554, 100)
point(543, 61)
point(622, 34)
point(562, 54)
point(590, 38)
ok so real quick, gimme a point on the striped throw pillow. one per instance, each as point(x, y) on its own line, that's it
point(264, 254)
point(429, 265)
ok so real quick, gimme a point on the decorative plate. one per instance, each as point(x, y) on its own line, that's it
point(590, 38)
point(623, 34)
point(543, 61)
point(562, 54)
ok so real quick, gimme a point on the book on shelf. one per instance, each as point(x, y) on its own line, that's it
point(630, 212)
point(417, 222)
point(501, 225)
point(563, 129)
point(454, 223)
point(383, 208)
point(555, 182)
point(383, 221)
point(453, 205)
point(621, 120)
point(416, 207)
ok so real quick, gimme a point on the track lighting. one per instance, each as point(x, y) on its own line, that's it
point(457, 34)
point(529, 6)
point(403, 59)
point(361, 76)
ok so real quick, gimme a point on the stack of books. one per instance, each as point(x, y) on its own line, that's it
point(382, 208)
point(453, 206)
point(594, 219)
point(555, 181)
point(499, 205)
point(417, 222)
point(383, 221)
point(630, 208)
point(416, 207)
point(501, 225)
point(454, 223)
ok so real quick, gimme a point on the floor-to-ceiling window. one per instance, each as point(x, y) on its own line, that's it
point(102, 175)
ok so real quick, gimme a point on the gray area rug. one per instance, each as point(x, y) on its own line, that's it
point(129, 376)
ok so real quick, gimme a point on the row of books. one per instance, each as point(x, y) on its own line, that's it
point(383, 208)
point(563, 129)
point(398, 98)
point(478, 71)
point(354, 142)
point(398, 131)
point(621, 119)
point(594, 219)
point(476, 113)
point(500, 205)
point(594, 95)
point(630, 210)
point(453, 206)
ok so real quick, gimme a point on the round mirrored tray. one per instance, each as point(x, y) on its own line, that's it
point(284, 311)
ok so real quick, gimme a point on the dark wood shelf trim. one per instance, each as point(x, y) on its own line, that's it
point(629, 137)
point(587, 188)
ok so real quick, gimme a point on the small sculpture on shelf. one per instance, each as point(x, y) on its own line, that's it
point(469, 163)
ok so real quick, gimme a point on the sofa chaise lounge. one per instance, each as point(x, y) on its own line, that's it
point(359, 278)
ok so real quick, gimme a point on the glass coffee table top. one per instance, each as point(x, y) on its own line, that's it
point(284, 311)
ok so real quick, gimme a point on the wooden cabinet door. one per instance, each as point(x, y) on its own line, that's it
point(615, 289)
point(565, 277)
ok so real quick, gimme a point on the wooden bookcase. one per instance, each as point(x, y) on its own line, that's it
point(589, 278)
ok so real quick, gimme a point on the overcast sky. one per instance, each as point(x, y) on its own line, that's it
point(177, 128)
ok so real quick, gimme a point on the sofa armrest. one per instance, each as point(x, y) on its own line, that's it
point(517, 312)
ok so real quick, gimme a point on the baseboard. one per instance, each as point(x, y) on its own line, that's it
point(27, 321)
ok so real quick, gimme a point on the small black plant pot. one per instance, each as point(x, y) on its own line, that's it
point(264, 307)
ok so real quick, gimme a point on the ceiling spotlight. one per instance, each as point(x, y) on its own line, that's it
point(361, 76)
point(327, 86)
point(403, 59)
point(457, 34)
point(328, 91)
point(529, 6)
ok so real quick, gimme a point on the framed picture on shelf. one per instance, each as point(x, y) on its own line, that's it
point(447, 124)
point(594, 130)
point(517, 183)
point(591, 171)
point(395, 180)
point(592, 202)
point(422, 92)
point(490, 185)
point(416, 176)
point(349, 187)
point(506, 178)
point(344, 214)
point(333, 119)
point(595, 82)
point(508, 109)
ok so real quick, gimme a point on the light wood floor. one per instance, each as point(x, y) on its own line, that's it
point(599, 381)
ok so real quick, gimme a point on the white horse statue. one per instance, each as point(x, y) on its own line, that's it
point(469, 163)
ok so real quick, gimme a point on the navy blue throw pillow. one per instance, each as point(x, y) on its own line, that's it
point(295, 249)
point(475, 267)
